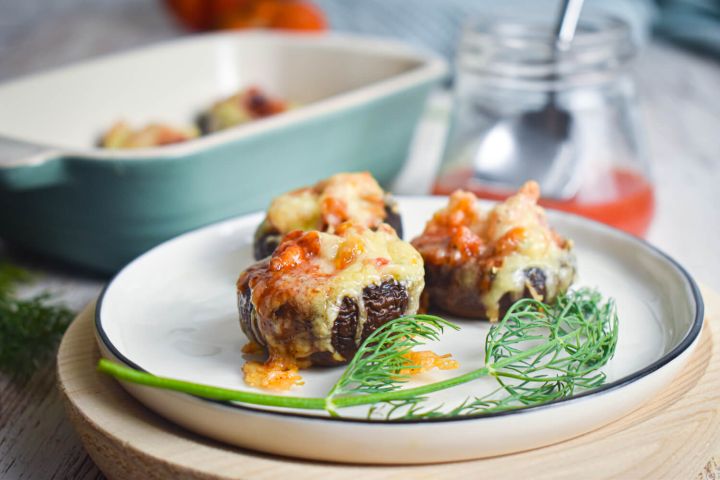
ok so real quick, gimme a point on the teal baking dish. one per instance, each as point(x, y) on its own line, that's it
point(60, 195)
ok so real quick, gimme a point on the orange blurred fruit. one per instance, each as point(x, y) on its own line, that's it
point(230, 14)
point(299, 15)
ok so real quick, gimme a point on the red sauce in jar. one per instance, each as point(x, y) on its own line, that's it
point(625, 200)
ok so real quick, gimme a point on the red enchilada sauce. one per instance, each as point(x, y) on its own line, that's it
point(625, 200)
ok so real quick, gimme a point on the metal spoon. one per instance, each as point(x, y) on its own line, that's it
point(535, 145)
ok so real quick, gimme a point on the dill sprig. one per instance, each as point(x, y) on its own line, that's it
point(30, 328)
point(377, 365)
point(537, 353)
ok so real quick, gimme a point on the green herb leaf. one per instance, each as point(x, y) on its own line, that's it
point(538, 353)
point(376, 365)
point(29, 328)
point(10, 277)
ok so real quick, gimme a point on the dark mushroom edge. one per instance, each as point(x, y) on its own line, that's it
point(462, 291)
point(382, 303)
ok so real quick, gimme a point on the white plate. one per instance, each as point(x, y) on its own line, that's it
point(173, 312)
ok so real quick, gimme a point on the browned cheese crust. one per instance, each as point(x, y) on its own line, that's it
point(320, 295)
point(478, 263)
point(355, 197)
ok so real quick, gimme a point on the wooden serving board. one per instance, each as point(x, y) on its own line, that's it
point(676, 436)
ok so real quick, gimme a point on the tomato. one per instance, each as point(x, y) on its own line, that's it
point(233, 14)
point(193, 14)
point(299, 15)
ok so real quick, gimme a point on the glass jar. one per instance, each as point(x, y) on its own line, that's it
point(509, 68)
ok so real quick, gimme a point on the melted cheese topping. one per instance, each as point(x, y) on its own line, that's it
point(344, 197)
point(298, 210)
point(454, 234)
point(278, 373)
point(121, 135)
point(426, 360)
point(319, 269)
point(511, 237)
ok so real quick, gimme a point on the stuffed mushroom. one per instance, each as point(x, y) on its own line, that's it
point(247, 105)
point(319, 295)
point(355, 197)
point(478, 263)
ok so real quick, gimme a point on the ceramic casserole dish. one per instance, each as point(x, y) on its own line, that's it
point(359, 101)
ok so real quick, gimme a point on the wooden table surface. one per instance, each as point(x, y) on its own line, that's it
point(679, 105)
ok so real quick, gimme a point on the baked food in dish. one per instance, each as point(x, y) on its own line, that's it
point(478, 263)
point(321, 294)
point(343, 197)
point(248, 104)
point(121, 135)
point(245, 106)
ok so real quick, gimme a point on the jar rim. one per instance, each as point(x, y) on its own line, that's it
point(524, 49)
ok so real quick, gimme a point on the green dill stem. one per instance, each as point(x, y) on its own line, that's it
point(206, 391)
point(30, 327)
point(355, 400)
point(307, 403)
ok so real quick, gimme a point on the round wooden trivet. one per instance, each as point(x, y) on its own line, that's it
point(676, 436)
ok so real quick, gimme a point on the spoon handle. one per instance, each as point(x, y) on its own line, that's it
point(567, 23)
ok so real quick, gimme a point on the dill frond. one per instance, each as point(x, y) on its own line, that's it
point(29, 328)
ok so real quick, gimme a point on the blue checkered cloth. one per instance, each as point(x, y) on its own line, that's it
point(436, 24)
